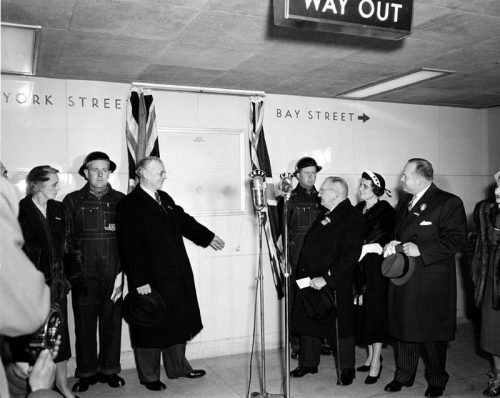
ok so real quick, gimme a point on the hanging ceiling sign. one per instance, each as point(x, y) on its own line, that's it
point(385, 19)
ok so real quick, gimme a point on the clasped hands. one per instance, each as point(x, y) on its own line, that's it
point(409, 248)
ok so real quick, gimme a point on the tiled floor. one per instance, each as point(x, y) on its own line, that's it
point(227, 377)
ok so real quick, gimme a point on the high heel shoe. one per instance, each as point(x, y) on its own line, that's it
point(366, 368)
point(373, 379)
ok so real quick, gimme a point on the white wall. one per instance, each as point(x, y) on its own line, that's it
point(77, 117)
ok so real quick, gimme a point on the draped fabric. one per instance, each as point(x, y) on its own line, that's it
point(140, 130)
point(259, 158)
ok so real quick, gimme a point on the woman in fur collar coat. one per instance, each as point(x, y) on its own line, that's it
point(485, 269)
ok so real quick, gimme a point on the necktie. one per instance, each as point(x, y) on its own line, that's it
point(410, 205)
point(157, 197)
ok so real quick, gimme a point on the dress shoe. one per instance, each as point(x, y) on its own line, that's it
point(434, 391)
point(196, 373)
point(294, 354)
point(113, 380)
point(325, 350)
point(300, 371)
point(395, 386)
point(154, 385)
point(493, 389)
point(373, 379)
point(83, 383)
point(347, 376)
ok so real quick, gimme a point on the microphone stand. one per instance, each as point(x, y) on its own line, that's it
point(287, 295)
point(260, 283)
point(260, 277)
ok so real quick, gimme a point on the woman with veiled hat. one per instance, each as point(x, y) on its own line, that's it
point(370, 285)
point(485, 270)
point(49, 244)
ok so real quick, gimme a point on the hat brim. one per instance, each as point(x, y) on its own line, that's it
point(318, 169)
point(398, 267)
point(112, 166)
point(144, 309)
point(319, 304)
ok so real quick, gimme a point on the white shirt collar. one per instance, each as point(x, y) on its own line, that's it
point(417, 197)
point(149, 192)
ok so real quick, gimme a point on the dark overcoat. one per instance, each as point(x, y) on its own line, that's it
point(424, 308)
point(50, 245)
point(331, 249)
point(372, 314)
point(151, 246)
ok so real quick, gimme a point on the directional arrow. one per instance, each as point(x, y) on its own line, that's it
point(364, 118)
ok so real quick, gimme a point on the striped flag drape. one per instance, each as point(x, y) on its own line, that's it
point(140, 130)
point(260, 160)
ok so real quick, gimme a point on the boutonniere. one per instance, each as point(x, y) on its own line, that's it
point(326, 221)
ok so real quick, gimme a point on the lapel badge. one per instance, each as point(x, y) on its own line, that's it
point(423, 206)
point(326, 221)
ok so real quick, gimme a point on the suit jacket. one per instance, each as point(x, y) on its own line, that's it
point(331, 250)
point(152, 251)
point(424, 308)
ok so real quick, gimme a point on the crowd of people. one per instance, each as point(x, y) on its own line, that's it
point(362, 274)
point(373, 273)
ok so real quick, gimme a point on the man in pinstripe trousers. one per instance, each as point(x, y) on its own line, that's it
point(431, 225)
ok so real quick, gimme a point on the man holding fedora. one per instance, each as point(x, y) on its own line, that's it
point(331, 249)
point(93, 212)
point(151, 228)
point(303, 208)
point(430, 229)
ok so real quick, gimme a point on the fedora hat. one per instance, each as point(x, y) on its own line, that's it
point(320, 304)
point(306, 162)
point(96, 156)
point(398, 267)
point(143, 309)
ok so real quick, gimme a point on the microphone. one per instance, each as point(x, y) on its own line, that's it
point(286, 182)
point(258, 185)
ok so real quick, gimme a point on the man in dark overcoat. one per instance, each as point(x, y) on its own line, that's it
point(331, 249)
point(150, 229)
point(431, 225)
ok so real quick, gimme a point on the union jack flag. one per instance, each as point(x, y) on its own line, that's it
point(140, 130)
point(260, 160)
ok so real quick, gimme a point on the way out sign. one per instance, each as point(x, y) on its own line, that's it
point(385, 19)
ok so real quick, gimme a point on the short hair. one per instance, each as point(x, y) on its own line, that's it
point(423, 168)
point(144, 163)
point(341, 181)
point(378, 191)
point(37, 177)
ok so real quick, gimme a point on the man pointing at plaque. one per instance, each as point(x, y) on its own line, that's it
point(162, 307)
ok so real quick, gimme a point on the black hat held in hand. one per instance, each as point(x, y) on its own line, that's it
point(143, 309)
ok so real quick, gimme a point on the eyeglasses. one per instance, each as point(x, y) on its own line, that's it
point(162, 173)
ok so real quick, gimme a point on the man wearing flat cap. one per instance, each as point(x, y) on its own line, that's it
point(303, 208)
point(431, 227)
point(151, 228)
point(93, 212)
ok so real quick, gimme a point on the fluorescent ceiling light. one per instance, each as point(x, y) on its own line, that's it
point(19, 48)
point(395, 83)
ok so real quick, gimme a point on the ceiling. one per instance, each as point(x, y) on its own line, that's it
point(234, 44)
